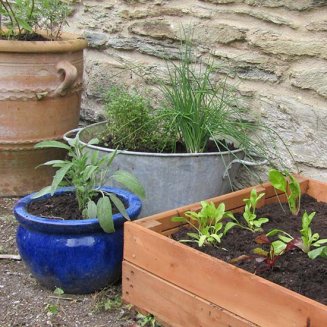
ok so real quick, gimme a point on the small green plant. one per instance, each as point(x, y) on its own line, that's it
point(53, 308)
point(20, 19)
point(207, 223)
point(146, 320)
point(307, 240)
point(276, 248)
point(288, 184)
point(132, 123)
point(252, 222)
point(112, 304)
point(58, 291)
point(319, 252)
point(87, 174)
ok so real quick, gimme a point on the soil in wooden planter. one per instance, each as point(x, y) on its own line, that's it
point(293, 270)
point(62, 206)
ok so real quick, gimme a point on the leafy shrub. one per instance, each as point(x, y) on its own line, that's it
point(87, 175)
point(132, 123)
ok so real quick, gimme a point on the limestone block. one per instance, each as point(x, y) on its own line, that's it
point(320, 26)
point(101, 73)
point(152, 12)
point(280, 45)
point(156, 2)
point(223, 1)
point(145, 46)
point(157, 29)
point(96, 40)
point(290, 4)
point(265, 16)
point(211, 34)
point(248, 64)
point(302, 126)
point(311, 78)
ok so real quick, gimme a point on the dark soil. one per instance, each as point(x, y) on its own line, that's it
point(293, 270)
point(63, 206)
point(26, 37)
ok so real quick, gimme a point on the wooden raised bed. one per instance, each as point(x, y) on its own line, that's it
point(184, 287)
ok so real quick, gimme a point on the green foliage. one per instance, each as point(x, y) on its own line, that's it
point(207, 223)
point(132, 123)
point(58, 291)
point(308, 238)
point(146, 320)
point(87, 174)
point(200, 107)
point(319, 252)
point(53, 308)
point(20, 18)
point(277, 248)
point(112, 304)
point(288, 184)
point(253, 223)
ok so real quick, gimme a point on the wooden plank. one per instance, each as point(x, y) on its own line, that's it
point(225, 285)
point(172, 304)
point(317, 190)
point(162, 221)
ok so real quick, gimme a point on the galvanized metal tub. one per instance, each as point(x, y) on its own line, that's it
point(172, 180)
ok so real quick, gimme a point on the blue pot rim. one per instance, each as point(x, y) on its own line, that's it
point(133, 209)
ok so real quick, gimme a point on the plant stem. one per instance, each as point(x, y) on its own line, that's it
point(12, 15)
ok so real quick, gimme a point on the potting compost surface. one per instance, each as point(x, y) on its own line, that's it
point(64, 206)
point(294, 269)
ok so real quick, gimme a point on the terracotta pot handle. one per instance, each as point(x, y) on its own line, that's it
point(68, 73)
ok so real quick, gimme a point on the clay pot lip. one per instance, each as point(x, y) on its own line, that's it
point(30, 221)
point(68, 42)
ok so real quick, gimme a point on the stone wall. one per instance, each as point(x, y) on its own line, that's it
point(277, 50)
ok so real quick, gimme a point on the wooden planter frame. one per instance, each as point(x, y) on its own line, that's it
point(184, 287)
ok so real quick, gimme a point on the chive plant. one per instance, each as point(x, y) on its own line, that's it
point(201, 108)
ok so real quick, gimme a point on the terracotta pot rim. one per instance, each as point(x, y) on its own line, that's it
point(69, 42)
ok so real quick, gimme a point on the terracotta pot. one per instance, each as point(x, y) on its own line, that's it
point(184, 287)
point(40, 92)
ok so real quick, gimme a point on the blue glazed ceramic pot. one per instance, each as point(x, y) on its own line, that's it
point(75, 255)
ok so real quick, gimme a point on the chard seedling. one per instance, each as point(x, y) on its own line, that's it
point(207, 223)
point(277, 248)
point(252, 222)
point(288, 184)
point(319, 252)
point(308, 238)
